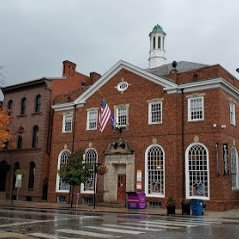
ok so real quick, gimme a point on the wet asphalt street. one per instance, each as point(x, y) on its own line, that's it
point(52, 224)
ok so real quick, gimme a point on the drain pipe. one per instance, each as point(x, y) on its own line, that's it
point(182, 143)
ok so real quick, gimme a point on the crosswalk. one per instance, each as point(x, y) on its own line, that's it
point(127, 226)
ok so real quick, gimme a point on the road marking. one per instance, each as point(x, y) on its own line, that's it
point(115, 230)
point(86, 233)
point(169, 223)
point(131, 227)
point(151, 225)
point(45, 235)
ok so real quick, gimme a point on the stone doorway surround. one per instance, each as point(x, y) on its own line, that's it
point(119, 158)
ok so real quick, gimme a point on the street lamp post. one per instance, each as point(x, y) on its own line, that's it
point(96, 165)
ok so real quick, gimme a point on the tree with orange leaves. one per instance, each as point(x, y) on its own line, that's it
point(5, 134)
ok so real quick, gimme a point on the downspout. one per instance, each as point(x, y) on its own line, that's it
point(182, 143)
point(73, 130)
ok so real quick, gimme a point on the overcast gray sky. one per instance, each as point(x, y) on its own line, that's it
point(37, 35)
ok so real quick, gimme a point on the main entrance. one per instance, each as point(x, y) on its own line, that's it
point(121, 187)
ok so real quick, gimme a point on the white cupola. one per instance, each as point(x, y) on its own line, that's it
point(157, 52)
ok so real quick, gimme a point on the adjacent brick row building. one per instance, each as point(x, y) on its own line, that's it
point(175, 132)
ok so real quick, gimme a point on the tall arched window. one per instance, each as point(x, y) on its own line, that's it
point(35, 136)
point(37, 107)
point(90, 159)
point(4, 168)
point(16, 166)
point(31, 175)
point(197, 171)
point(154, 171)
point(19, 142)
point(154, 42)
point(234, 169)
point(159, 42)
point(62, 159)
point(23, 105)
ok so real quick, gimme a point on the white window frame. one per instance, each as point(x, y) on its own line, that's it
point(232, 110)
point(87, 154)
point(161, 168)
point(64, 123)
point(190, 99)
point(150, 120)
point(90, 119)
point(234, 169)
point(117, 109)
point(59, 163)
point(198, 175)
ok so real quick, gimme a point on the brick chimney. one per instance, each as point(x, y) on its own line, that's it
point(94, 76)
point(69, 68)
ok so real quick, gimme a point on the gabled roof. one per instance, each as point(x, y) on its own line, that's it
point(114, 70)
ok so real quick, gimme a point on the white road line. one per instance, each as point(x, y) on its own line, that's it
point(45, 235)
point(169, 223)
point(115, 230)
point(86, 233)
point(131, 227)
point(151, 225)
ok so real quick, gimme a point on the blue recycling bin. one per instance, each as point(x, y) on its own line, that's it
point(197, 207)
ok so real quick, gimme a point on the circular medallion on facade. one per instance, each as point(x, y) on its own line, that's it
point(122, 86)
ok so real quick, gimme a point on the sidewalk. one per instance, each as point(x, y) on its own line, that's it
point(229, 214)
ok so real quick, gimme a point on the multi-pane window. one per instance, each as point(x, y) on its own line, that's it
point(122, 116)
point(234, 169)
point(90, 159)
point(232, 108)
point(67, 123)
point(92, 117)
point(10, 107)
point(195, 109)
point(35, 136)
point(62, 160)
point(155, 112)
point(154, 171)
point(37, 104)
point(23, 105)
point(197, 172)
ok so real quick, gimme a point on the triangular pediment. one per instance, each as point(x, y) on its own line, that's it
point(114, 70)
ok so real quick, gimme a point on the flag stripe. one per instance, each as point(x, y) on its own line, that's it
point(105, 114)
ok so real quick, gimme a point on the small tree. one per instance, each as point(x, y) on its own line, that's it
point(75, 172)
point(5, 134)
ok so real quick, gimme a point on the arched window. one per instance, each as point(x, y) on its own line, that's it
point(154, 171)
point(16, 166)
point(197, 171)
point(23, 105)
point(4, 168)
point(37, 104)
point(19, 142)
point(234, 169)
point(35, 136)
point(31, 175)
point(154, 42)
point(90, 159)
point(62, 159)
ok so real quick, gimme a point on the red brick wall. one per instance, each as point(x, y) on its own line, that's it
point(139, 134)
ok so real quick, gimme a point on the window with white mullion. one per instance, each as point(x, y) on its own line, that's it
point(155, 171)
point(122, 114)
point(67, 123)
point(232, 107)
point(195, 109)
point(197, 172)
point(92, 119)
point(155, 112)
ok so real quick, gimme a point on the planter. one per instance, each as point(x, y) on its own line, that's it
point(171, 209)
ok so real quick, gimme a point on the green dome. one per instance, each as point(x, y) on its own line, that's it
point(158, 29)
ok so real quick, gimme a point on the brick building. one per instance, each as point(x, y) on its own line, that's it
point(29, 105)
point(176, 132)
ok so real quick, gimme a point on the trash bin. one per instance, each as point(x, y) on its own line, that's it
point(185, 207)
point(197, 207)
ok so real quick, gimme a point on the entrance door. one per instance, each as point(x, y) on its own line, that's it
point(121, 189)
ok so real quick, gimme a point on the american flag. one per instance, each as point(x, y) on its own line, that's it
point(105, 115)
